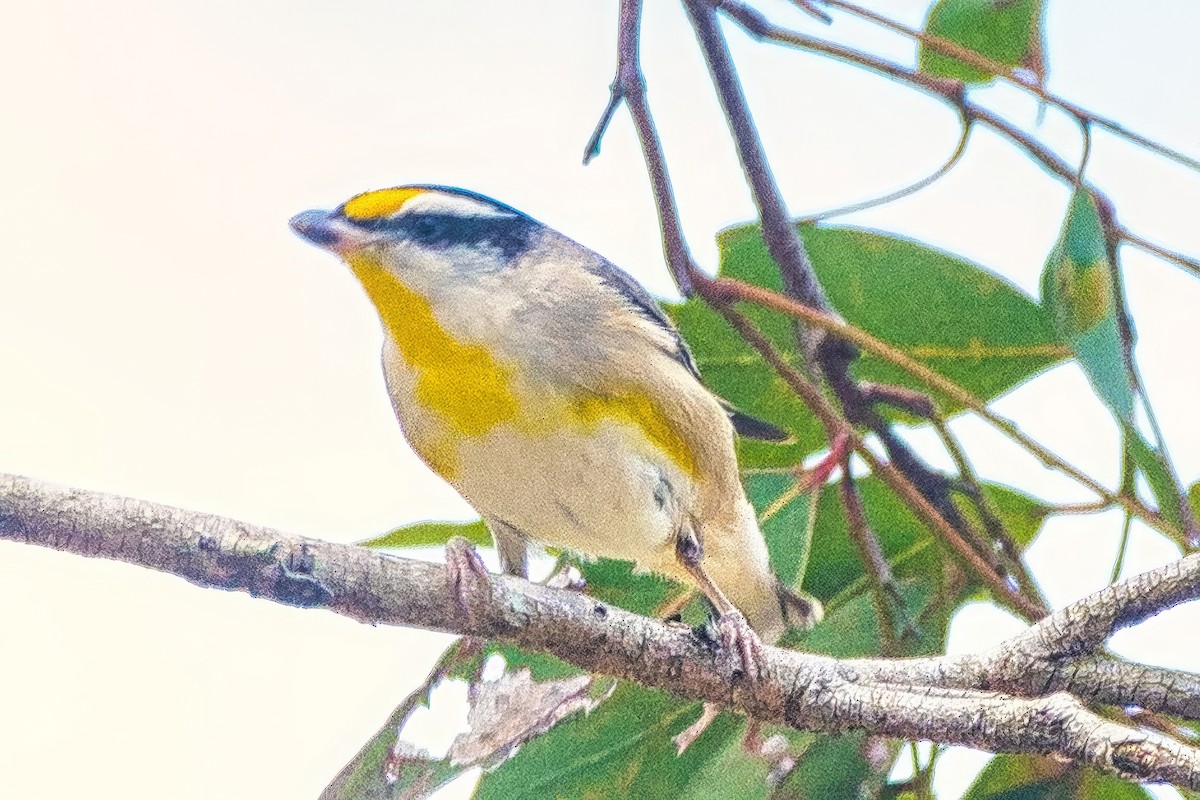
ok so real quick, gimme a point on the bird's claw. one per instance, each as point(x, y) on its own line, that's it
point(739, 641)
point(465, 573)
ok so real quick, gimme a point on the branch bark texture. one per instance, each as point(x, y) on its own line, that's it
point(1023, 697)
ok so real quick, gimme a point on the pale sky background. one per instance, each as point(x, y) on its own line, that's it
point(164, 335)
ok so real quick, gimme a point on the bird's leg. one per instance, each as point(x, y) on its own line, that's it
point(512, 546)
point(818, 473)
point(733, 631)
point(684, 739)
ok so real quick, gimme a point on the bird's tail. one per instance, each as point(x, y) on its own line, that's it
point(800, 611)
point(772, 609)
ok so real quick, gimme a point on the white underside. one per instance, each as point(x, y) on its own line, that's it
point(591, 492)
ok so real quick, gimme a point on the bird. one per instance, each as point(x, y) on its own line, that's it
point(554, 394)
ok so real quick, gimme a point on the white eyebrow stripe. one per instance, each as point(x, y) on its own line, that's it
point(459, 206)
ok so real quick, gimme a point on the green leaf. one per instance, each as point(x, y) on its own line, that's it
point(432, 534)
point(833, 564)
point(623, 749)
point(1021, 514)
point(1080, 297)
point(1009, 777)
point(1194, 499)
point(959, 319)
point(615, 582)
point(851, 628)
point(1005, 31)
point(1160, 477)
point(782, 523)
point(732, 773)
point(1096, 786)
point(835, 572)
point(834, 768)
point(376, 772)
point(1029, 777)
point(363, 778)
point(541, 666)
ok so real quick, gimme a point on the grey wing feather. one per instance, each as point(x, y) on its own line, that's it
point(623, 283)
point(641, 301)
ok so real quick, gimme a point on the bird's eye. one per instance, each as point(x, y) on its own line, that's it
point(428, 229)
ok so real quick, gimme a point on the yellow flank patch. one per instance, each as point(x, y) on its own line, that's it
point(439, 455)
point(472, 394)
point(371, 205)
point(639, 409)
point(460, 383)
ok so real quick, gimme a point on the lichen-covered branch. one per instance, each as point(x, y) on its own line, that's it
point(953, 700)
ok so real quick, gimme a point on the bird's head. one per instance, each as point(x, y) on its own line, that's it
point(430, 237)
point(435, 260)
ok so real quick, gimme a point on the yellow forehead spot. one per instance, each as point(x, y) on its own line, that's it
point(460, 383)
point(371, 205)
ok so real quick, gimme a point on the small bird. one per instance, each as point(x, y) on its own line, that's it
point(546, 386)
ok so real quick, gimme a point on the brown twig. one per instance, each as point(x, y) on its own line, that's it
point(1141, 243)
point(954, 92)
point(890, 611)
point(630, 86)
point(1095, 507)
point(727, 290)
point(779, 230)
point(837, 426)
point(996, 532)
point(982, 62)
point(833, 357)
point(951, 161)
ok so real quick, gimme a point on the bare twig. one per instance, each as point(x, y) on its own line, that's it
point(838, 427)
point(630, 86)
point(982, 62)
point(832, 357)
point(890, 610)
point(1141, 243)
point(954, 92)
point(779, 230)
point(996, 532)
point(836, 355)
point(730, 290)
point(1094, 507)
point(950, 163)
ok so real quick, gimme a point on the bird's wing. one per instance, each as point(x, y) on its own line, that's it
point(640, 301)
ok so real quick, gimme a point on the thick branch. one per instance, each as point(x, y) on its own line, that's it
point(803, 690)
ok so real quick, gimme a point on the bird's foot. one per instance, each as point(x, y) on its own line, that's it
point(740, 644)
point(465, 573)
point(566, 576)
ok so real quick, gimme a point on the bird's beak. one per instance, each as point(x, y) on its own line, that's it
point(326, 231)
